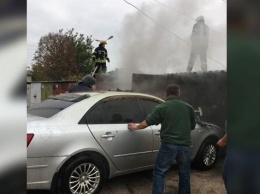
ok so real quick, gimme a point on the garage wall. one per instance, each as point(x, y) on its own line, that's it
point(39, 91)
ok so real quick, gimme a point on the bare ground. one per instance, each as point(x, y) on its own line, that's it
point(202, 182)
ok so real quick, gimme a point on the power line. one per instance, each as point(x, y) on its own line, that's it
point(155, 21)
point(185, 15)
point(168, 30)
point(175, 9)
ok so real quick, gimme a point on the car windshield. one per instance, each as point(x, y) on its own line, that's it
point(55, 104)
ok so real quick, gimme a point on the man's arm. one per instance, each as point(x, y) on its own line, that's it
point(106, 56)
point(194, 29)
point(134, 126)
point(192, 119)
point(207, 35)
point(151, 119)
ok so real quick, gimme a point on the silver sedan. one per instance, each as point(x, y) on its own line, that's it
point(75, 141)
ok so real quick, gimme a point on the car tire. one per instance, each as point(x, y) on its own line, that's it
point(82, 175)
point(206, 157)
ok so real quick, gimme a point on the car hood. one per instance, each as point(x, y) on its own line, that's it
point(34, 118)
point(211, 126)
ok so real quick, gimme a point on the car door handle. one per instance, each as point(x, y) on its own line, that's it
point(107, 136)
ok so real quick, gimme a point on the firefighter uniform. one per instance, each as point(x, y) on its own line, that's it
point(100, 57)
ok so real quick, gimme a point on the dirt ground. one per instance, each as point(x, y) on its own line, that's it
point(202, 182)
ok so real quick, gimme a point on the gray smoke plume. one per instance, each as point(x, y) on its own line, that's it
point(162, 46)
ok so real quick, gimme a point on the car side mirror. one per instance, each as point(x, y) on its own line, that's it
point(199, 111)
point(198, 114)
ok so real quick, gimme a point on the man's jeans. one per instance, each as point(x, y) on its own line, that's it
point(167, 154)
point(224, 172)
point(243, 171)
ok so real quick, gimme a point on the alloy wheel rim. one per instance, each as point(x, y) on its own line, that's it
point(84, 179)
point(210, 154)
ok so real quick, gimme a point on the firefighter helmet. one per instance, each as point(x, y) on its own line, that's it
point(89, 80)
point(103, 42)
point(200, 18)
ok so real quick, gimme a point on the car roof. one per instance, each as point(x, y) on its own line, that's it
point(111, 93)
point(88, 99)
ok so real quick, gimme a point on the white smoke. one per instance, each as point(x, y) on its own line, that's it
point(162, 46)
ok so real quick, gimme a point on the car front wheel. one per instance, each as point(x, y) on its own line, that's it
point(207, 154)
point(82, 175)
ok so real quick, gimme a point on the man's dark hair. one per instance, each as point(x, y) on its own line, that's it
point(172, 90)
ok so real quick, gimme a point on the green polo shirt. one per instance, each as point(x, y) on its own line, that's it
point(177, 119)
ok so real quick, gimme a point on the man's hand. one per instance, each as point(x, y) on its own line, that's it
point(223, 141)
point(132, 126)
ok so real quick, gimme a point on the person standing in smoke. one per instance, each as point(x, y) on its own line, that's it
point(199, 39)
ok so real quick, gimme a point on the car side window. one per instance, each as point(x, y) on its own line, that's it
point(148, 105)
point(122, 110)
point(119, 110)
point(96, 115)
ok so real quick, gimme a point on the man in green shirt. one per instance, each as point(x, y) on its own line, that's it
point(177, 119)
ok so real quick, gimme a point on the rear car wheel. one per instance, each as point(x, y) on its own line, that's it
point(207, 154)
point(82, 175)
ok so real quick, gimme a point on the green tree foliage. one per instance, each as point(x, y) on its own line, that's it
point(62, 56)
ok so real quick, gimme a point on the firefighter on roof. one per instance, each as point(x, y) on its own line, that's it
point(199, 39)
point(100, 57)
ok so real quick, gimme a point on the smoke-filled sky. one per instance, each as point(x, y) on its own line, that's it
point(155, 45)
